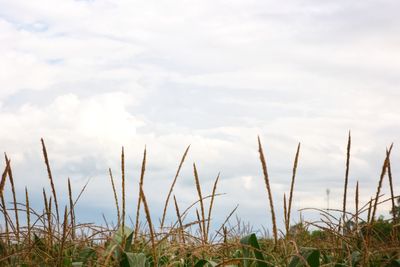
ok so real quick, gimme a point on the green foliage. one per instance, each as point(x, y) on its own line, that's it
point(251, 246)
point(310, 256)
point(204, 263)
point(130, 259)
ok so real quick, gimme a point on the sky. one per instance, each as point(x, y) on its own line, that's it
point(93, 76)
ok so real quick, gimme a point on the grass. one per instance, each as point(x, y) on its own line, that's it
point(339, 238)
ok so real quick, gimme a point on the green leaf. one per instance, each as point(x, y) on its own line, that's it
point(67, 262)
point(120, 235)
point(326, 258)
point(86, 254)
point(39, 242)
point(114, 246)
point(355, 258)
point(203, 262)
point(394, 263)
point(311, 255)
point(128, 242)
point(313, 258)
point(251, 241)
point(130, 259)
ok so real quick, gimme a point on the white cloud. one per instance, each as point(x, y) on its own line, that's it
point(91, 76)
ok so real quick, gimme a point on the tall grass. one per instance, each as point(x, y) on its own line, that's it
point(269, 191)
point(289, 207)
point(339, 238)
point(346, 177)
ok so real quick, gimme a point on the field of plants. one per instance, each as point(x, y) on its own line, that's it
point(52, 237)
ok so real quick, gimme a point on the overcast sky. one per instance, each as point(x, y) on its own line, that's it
point(92, 76)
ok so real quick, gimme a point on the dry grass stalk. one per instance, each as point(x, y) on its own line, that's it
point(172, 186)
point(346, 177)
point(369, 211)
point(178, 214)
point(53, 189)
point(296, 160)
point(115, 198)
point(50, 223)
point(14, 195)
point(28, 217)
point(72, 210)
point(199, 221)
point(143, 170)
point(65, 224)
point(389, 170)
point(367, 235)
point(378, 190)
point(151, 229)
point(64, 236)
point(4, 177)
point(198, 188)
point(266, 178)
point(285, 215)
point(47, 208)
point(225, 233)
point(123, 189)
point(3, 203)
point(357, 208)
point(392, 198)
point(5, 214)
point(81, 192)
point(211, 205)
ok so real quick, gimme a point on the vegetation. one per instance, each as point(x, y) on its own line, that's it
point(52, 237)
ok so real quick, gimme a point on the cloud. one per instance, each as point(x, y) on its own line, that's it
point(92, 76)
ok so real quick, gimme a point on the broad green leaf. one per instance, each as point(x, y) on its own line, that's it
point(295, 262)
point(311, 255)
point(120, 235)
point(118, 239)
point(133, 260)
point(313, 258)
point(251, 241)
